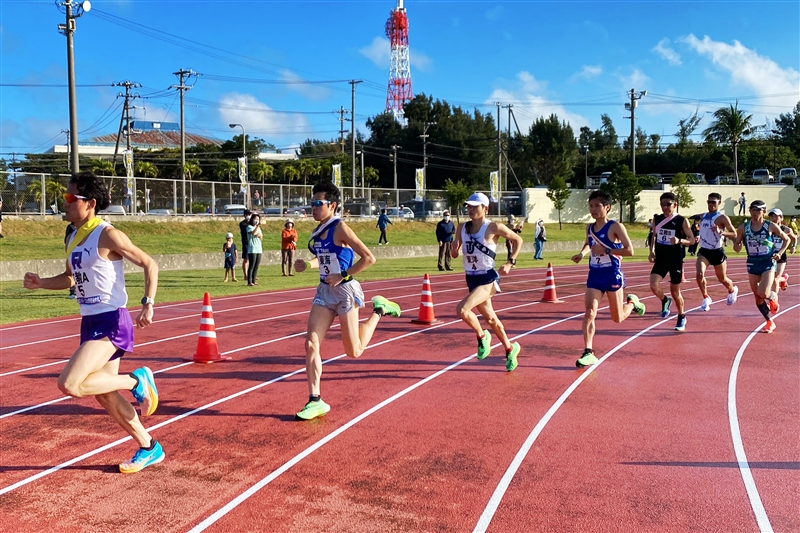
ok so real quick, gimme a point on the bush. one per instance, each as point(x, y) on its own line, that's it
point(787, 181)
point(199, 208)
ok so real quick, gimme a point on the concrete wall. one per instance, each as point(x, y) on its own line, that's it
point(784, 197)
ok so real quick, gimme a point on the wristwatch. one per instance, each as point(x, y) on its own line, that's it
point(345, 275)
point(513, 261)
point(608, 251)
point(147, 300)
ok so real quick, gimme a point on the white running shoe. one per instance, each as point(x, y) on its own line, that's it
point(733, 295)
point(706, 305)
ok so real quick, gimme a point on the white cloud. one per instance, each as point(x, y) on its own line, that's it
point(310, 91)
point(587, 72)
point(747, 68)
point(258, 117)
point(636, 80)
point(662, 49)
point(530, 102)
point(379, 52)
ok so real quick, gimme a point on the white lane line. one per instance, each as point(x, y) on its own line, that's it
point(738, 446)
point(61, 362)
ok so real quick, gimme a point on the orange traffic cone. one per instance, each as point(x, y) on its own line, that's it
point(549, 295)
point(426, 315)
point(207, 351)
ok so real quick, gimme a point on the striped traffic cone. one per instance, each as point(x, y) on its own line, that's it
point(207, 350)
point(426, 315)
point(549, 295)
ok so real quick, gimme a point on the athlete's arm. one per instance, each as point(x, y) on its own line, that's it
point(455, 248)
point(501, 230)
point(688, 240)
point(737, 243)
point(778, 232)
point(617, 232)
point(60, 282)
point(119, 245)
point(724, 223)
point(342, 234)
point(584, 250)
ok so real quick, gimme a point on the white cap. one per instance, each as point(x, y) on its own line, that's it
point(478, 198)
point(229, 235)
point(776, 211)
point(288, 221)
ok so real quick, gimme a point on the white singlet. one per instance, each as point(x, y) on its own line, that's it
point(99, 283)
point(710, 233)
point(475, 261)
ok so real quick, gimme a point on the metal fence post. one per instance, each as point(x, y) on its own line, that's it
point(213, 199)
point(42, 197)
point(175, 196)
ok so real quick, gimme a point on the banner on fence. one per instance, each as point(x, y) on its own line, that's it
point(494, 186)
point(336, 175)
point(420, 180)
point(127, 160)
point(243, 170)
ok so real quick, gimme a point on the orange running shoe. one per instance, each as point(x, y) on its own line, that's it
point(769, 327)
point(774, 306)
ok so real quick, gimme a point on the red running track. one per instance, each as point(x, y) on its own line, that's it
point(692, 431)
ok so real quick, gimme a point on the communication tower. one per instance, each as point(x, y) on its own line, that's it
point(399, 91)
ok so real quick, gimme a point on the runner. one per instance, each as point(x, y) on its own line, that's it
point(95, 253)
point(333, 244)
point(714, 227)
point(781, 278)
point(607, 240)
point(757, 235)
point(671, 233)
point(477, 238)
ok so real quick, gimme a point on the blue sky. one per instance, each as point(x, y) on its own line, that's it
point(575, 59)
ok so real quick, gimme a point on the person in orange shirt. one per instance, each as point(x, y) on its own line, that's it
point(288, 247)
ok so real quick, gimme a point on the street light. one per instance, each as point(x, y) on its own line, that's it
point(66, 6)
point(244, 161)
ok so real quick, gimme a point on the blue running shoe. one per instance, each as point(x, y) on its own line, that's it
point(142, 459)
point(665, 305)
point(681, 325)
point(145, 391)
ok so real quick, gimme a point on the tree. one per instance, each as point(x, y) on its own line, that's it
point(787, 129)
point(553, 148)
point(624, 187)
point(262, 171)
point(225, 169)
point(558, 193)
point(686, 127)
point(730, 125)
point(102, 167)
point(371, 176)
point(54, 191)
point(680, 188)
point(456, 194)
point(290, 173)
point(308, 167)
point(145, 169)
point(192, 169)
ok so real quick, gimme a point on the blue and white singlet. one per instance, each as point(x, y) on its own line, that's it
point(99, 282)
point(333, 259)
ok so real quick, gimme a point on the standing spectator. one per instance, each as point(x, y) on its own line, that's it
point(516, 227)
point(243, 225)
point(229, 248)
point(254, 249)
point(649, 240)
point(742, 203)
point(792, 223)
point(445, 230)
point(693, 237)
point(288, 247)
point(383, 220)
point(1, 219)
point(257, 199)
point(540, 237)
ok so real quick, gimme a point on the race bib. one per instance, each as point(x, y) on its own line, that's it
point(665, 236)
point(758, 247)
point(601, 261)
point(328, 264)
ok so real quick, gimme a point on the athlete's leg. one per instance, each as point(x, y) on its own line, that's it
point(675, 291)
point(754, 280)
point(319, 321)
point(83, 375)
point(721, 271)
point(470, 302)
point(355, 338)
point(777, 277)
point(619, 307)
point(490, 316)
point(655, 286)
point(700, 265)
point(591, 300)
point(121, 409)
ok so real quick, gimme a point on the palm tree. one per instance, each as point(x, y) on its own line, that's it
point(146, 169)
point(102, 167)
point(290, 173)
point(730, 126)
point(224, 169)
point(308, 167)
point(262, 171)
point(54, 190)
point(192, 168)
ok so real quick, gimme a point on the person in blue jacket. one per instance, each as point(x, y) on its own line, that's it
point(383, 220)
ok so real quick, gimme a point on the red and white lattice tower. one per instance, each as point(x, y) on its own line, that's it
point(399, 91)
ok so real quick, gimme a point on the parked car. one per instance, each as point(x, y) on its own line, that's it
point(788, 173)
point(604, 177)
point(113, 210)
point(300, 212)
point(763, 175)
point(234, 209)
point(716, 180)
point(161, 212)
point(405, 213)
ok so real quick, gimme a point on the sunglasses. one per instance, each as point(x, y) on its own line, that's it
point(667, 204)
point(319, 203)
point(72, 198)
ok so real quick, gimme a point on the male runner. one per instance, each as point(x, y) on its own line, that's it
point(714, 227)
point(757, 235)
point(781, 278)
point(95, 253)
point(671, 233)
point(334, 245)
point(477, 239)
point(607, 241)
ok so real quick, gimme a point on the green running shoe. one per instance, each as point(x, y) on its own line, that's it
point(637, 305)
point(387, 307)
point(587, 359)
point(511, 357)
point(484, 345)
point(313, 410)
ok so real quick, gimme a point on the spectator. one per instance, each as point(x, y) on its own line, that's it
point(243, 225)
point(254, 249)
point(540, 237)
point(288, 247)
point(792, 223)
point(514, 226)
point(445, 230)
point(383, 220)
point(229, 248)
point(742, 203)
point(649, 239)
point(695, 232)
point(257, 199)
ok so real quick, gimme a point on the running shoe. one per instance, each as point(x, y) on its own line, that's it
point(681, 325)
point(769, 327)
point(784, 282)
point(706, 304)
point(386, 306)
point(142, 459)
point(511, 357)
point(732, 296)
point(587, 359)
point(637, 305)
point(774, 306)
point(145, 391)
point(313, 410)
point(484, 345)
point(665, 306)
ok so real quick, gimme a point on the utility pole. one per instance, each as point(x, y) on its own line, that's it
point(499, 149)
point(69, 148)
point(341, 111)
point(125, 114)
point(183, 73)
point(505, 183)
point(586, 161)
point(363, 184)
point(424, 138)
point(394, 160)
point(353, 84)
point(632, 108)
